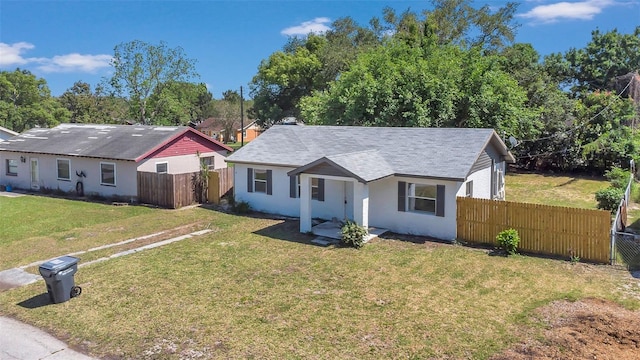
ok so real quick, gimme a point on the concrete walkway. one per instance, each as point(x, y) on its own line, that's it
point(19, 341)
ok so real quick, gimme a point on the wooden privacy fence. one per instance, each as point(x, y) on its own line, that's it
point(543, 229)
point(167, 190)
point(220, 184)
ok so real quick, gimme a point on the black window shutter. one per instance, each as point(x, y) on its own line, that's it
point(320, 189)
point(249, 179)
point(402, 195)
point(440, 201)
point(269, 182)
point(293, 186)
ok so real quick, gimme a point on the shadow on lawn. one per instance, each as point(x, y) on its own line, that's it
point(288, 230)
point(36, 301)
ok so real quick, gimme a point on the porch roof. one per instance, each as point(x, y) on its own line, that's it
point(364, 166)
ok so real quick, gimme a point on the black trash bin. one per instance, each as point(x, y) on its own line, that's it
point(58, 274)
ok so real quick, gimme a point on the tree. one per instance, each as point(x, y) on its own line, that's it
point(456, 22)
point(607, 56)
point(439, 86)
point(179, 103)
point(142, 70)
point(26, 102)
point(80, 102)
point(601, 132)
point(306, 65)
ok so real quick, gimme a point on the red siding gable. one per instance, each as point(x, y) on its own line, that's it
point(185, 144)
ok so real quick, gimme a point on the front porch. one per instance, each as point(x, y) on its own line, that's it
point(333, 230)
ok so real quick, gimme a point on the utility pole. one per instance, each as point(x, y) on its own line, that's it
point(241, 118)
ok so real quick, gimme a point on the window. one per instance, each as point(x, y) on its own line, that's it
point(64, 167)
point(107, 174)
point(12, 167)
point(209, 161)
point(422, 197)
point(162, 167)
point(469, 192)
point(259, 180)
point(317, 188)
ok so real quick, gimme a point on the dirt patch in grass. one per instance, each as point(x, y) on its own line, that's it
point(586, 329)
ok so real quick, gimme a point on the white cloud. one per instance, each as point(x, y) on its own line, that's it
point(13, 55)
point(316, 26)
point(75, 63)
point(581, 10)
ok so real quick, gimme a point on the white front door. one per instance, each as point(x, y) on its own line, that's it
point(348, 200)
point(35, 174)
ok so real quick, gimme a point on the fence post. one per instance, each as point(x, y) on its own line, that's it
point(214, 187)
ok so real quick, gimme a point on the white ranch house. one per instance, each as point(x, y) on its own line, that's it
point(103, 159)
point(402, 179)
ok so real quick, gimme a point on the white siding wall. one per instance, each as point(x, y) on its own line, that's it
point(383, 203)
point(481, 184)
point(383, 209)
point(125, 175)
point(280, 202)
point(182, 164)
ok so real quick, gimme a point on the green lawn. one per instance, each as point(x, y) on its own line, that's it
point(255, 288)
point(559, 190)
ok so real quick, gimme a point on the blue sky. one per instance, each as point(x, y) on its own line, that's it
point(66, 41)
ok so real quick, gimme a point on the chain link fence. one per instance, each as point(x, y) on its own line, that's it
point(625, 246)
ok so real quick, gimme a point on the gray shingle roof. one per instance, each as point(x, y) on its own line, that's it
point(372, 152)
point(118, 142)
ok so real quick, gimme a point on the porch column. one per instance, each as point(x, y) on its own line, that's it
point(305, 203)
point(361, 204)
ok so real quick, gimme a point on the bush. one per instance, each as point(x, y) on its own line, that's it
point(241, 207)
point(618, 177)
point(508, 240)
point(609, 198)
point(353, 234)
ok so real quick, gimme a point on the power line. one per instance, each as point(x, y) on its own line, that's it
point(583, 124)
point(569, 131)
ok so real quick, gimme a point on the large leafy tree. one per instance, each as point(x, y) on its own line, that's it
point(87, 106)
point(142, 70)
point(179, 103)
point(595, 67)
point(601, 131)
point(26, 102)
point(305, 65)
point(438, 86)
point(456, 22)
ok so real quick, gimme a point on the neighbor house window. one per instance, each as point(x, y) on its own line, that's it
point(107, 174)
point(259, 180)
point(315, 188)
point(421, 198)
point(161, 168)
point(64, 166)
point(469, 192)
point(12, 167)
point(209, 161)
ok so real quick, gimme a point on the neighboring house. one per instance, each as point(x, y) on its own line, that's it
point(213, 127)
point(6, 133)
point(103, 159)
point(402, 179)
point(249, 132)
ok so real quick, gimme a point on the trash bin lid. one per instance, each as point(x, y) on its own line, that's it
point(59, 263)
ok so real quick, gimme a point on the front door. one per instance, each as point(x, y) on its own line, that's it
point(348, 200)
point(35, 174)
